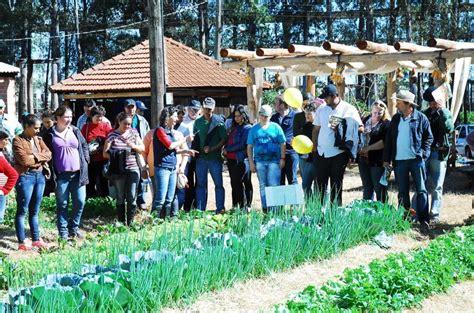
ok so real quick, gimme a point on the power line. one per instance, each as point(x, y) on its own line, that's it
point(104, 29)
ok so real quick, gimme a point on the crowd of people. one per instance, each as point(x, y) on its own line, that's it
point(97, 158)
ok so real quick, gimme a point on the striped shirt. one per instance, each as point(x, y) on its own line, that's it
point(119, 142)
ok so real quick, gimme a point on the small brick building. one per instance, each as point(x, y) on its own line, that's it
point(7, 86)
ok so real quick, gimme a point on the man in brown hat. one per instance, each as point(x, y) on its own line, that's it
point(407, 147)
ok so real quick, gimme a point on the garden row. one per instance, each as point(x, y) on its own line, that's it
point(402, 280)
point(174, 263)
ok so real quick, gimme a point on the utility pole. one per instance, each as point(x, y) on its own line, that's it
point(218, 40)
point(157, 63)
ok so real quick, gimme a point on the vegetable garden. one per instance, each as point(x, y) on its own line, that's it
point(172, 263)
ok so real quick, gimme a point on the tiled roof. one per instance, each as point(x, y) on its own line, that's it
point(8, 69)
point(130, 70)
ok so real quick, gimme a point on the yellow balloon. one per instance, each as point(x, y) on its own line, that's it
point(293, 97)
point(302, 144)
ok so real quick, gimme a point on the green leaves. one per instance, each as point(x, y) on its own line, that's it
point(402, 280)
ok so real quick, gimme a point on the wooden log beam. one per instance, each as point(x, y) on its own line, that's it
point(365, 58)
point(391, 92)
point(408, 46)
point(237, 54)
point(307, 49)
point(272, 52)
point(448, 44)
point(374, 47)
point(341, 49)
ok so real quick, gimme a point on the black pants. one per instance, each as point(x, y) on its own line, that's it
point(331, 168)
point(98, 185)
point(241, 183)
point(190, 195)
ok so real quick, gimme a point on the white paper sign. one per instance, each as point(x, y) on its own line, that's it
point(284, 195)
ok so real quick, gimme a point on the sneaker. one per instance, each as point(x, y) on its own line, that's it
point(39, 245)
point(76, 234)
point(425, 229)
point(435, 221)
point(23, 247)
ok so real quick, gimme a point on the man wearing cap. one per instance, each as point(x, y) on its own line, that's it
point(142, 126)
point(211, 133)
point(187, 196)
point(335, 140)
point(266, 145)
point(407, 147)
point(84, 118)
point(141, 108)
point(285, 117)
point(442, 127)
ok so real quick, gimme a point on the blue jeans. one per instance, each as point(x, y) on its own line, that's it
point(415, 168)
point(3, 206)
point(370, 176)
point(68, 185)
point(126, 186)
point(437, 173)
point(307, 176)
point(290, 171)
point(215, 168)
point(268, 174)
point(29, 189)
point(165, 179)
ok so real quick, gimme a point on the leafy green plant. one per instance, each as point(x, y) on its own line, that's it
point(402, 280)
point(204, 260)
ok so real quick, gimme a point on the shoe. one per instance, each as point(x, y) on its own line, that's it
point(23, 247)
point(143, 206)
point(425, 229)
point(39, 245)
point(76, 234)
point(435, 221)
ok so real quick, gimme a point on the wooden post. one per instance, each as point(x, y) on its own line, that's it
point(310, 84)
point(22, 104)
point(251, 104)
point(29, 87)
point(156, 44)
point(391, 92)
point(54, 81)
point(218, 37)
point(341, 88)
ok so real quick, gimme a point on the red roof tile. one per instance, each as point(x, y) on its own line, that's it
point(187, 68)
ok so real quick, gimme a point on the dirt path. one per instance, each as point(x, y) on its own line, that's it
point(458, 299)
point(263, 294)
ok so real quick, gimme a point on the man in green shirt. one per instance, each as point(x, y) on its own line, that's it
point(210, 136)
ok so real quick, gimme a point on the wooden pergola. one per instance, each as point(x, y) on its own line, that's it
point(366, 57)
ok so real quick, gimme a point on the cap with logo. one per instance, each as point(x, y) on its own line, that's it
point(90, 103)
point(195, 105)
point(209, 103)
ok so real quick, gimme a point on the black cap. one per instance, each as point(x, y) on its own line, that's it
point(329, 90)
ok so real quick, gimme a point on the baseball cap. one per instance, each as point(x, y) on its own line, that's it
point(265, 110)
point(2, 103)
point(90, 103)
point(329, 90)
point(129, 102)
point(195, 105)
point(140, 105)
point(209, 103)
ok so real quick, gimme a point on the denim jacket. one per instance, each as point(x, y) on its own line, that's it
point(240, 142)
point(421, 137)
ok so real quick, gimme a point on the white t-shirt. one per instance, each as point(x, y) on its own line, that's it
point(326, 138)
